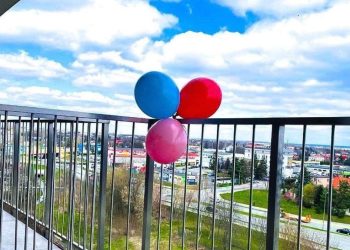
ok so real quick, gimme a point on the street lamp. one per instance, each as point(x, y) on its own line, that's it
point(324, 208)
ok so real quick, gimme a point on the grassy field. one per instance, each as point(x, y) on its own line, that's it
point(260, 200)
point(239, 236)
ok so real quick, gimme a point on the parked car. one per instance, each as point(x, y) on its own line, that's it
point(343, 231)
point(210, 209)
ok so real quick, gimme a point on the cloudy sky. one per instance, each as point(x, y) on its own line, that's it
point(285, 58)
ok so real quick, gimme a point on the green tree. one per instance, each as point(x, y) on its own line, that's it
point(260, 170)
point(320, 198)
point(288, 184)
point(227, 164)
point(307, 178)
point(309, 195)
point(341, 199)
point(212, 162)
point(347, 162)
point(242, 172)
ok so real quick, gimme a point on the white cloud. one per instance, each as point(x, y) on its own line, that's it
point(96, 76)
point(276, 68)
point(293, 49)
point(97, 22)
point(273, 7)
point(171, 1)
point(86, 101)
point(22, 64)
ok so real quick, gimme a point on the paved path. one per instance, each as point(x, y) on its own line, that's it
point(8, 235)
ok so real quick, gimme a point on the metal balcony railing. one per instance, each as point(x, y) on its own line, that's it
point(69, 177)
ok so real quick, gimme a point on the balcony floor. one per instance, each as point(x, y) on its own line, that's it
point(8, 235)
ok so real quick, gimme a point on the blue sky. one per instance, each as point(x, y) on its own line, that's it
point(288, 58)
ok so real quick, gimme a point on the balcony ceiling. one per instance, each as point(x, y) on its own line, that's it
point(5, 5)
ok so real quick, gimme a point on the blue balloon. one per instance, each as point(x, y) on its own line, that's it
point(157, 95)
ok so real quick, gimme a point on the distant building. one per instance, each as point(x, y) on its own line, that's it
point(317, 157)
point(338, 179)
point(260, 150)
point(321, 180)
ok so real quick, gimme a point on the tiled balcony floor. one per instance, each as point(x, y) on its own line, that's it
point(8, 235)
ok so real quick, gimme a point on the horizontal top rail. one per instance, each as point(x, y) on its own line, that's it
point(270, 121)
point(64, 114)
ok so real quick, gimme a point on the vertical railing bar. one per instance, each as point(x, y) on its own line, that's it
point(232, 183)
point(49, 180)
point(330, 190)
point(16, 159)
point(10, 160)
point(27, 164)
point(185, 191)
point(7, 163)
point(3, 197)
point(102, 187)
point(71, 176)
point(251, 189)
point(171, 206)
point(81, 179)
point(52, 203)
point(45, 171)
point(59, 137)
point(112, 195)
point(86, 197)
point(42, 189)
point(36, 181)
point(25, 147)
point(301, 186)
point(129, 185)
point(31, 194)
point(72, 201)
point(19, 173)
point(21, 170)
point(64, 178)
point(199, 187)
point(160, 205)
point(6, 196)
point(3, 166)
point(94, 189)
point(28, 179)
point(215, 187)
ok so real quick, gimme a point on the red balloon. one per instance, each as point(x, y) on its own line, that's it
point(200, 98)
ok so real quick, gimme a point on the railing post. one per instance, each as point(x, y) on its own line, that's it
point(147, 211)
point(102, 191)
point(275, 181)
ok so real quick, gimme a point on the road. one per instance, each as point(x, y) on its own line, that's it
point(315, 229)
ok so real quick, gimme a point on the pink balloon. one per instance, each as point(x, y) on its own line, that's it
point(166, 141)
